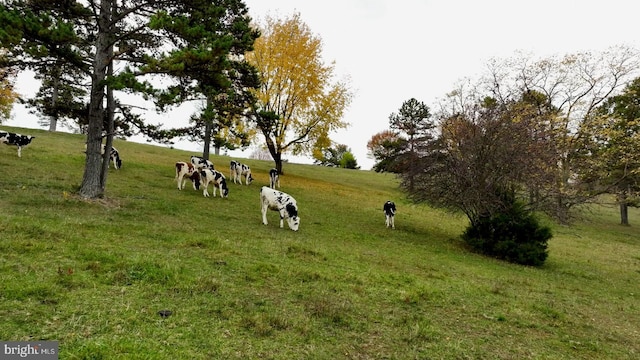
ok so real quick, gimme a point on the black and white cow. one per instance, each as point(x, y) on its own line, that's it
point(389, 209)
point(201, 163)
point(186, 170)
point(274, 178)
point(114, 156)
point(217, 178)
point(283, 203)
point(238, 170)
point(17, 140)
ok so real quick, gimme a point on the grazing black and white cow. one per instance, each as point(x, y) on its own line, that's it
point(114, 156)
point(389, 209)
point(238, 170)
point(274, 178)
point(17, 140)
point(186, 170)
point(217, 178)
point(283, 203)
point(200, 163)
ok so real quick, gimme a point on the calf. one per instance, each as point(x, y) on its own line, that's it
point(238, 170)
point(274, 178)
point(17, 140)
point(183, 170)
point(114, 156)
point(217, 178)
point(389, 209)
point(201, 163)
point(283, 203)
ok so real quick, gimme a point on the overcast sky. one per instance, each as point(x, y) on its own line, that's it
point(394, 50)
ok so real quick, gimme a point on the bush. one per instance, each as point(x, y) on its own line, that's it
point(513, 235)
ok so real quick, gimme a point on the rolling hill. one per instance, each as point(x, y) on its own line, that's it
point(152, 272)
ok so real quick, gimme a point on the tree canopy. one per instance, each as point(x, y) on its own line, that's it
point(386, 147)
point(208, 44)
point(124, 47)
point(557, 96)
point(413, 120)
point(611, 149)
point(298, 102)
point(339, 155)
point(481, 155)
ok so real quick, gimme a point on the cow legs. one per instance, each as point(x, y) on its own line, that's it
point(205, 192)
point(179, 180)
point(390, 221)
point(19, 151)
point(264, 214)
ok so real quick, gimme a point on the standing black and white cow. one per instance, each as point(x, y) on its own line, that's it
point(283, 203)
point(389, 209)
point(200, 163)
point(17, 140)
point(238, 170)
point(274, 178)
point(209, 176)
point(187, 170)
point(114, 156)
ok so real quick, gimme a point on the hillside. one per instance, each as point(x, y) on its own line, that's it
point(93, 275)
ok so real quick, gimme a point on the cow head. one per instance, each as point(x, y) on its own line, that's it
point(195, 177)
point(293, 220)
point(294, 223)
point(225, 188)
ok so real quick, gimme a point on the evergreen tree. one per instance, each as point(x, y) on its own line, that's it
point(210, 40)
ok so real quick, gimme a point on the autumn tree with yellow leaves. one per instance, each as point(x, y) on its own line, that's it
point(299, 102)
point(7, 94)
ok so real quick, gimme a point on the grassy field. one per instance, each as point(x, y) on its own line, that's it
point(93, 275)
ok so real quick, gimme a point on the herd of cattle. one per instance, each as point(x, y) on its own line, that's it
point(202, 173)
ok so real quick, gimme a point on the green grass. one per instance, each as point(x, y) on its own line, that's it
point(94, 274)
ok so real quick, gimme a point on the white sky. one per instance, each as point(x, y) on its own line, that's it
point(393, 50)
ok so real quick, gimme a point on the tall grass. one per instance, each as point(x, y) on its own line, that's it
point(93, 275)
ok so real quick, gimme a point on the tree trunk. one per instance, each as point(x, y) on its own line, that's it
point(277, 157)
point(624, 209)
point(208, 127)
point(91, 187)
point(624, 214)
point(562, 213)
point(207, 140)
point(53, 119)
point(409, 168)
point(275, 154)
point(111, 108)
point(53, 123)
